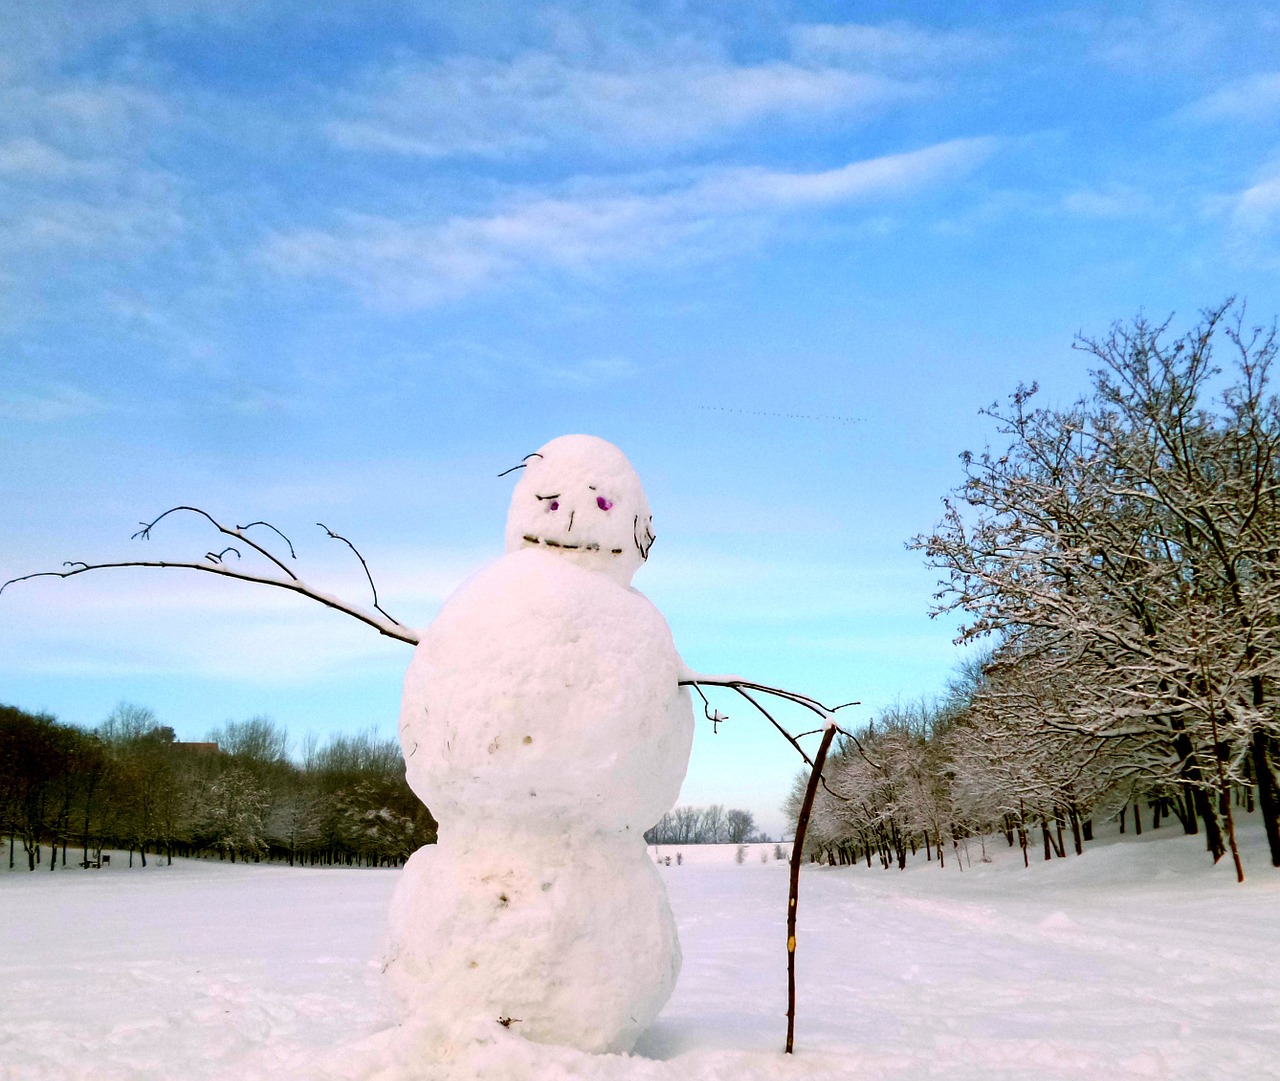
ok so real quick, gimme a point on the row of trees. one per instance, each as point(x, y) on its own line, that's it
point(1122, 559)
point(129, 784)
point(704, 826)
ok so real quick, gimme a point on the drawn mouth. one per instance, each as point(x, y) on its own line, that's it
point(529, 538)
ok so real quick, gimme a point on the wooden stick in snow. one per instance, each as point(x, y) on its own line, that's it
point(797, 857)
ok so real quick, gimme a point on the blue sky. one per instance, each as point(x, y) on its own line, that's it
point(346, 265)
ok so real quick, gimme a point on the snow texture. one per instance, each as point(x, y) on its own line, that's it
point(1138, 961)
point(543, 723)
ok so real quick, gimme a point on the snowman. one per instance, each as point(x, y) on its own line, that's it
point(544, 724)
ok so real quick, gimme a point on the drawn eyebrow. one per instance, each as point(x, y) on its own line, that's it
point(556, 496)
point(523, 462)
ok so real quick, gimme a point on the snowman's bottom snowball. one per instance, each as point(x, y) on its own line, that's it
point(572, 939)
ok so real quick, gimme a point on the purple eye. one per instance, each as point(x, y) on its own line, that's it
point(555, 505)
point(602, 503)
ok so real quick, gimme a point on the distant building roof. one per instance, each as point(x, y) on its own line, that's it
point(196, 748)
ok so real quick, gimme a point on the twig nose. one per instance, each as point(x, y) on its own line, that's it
point(570, 529)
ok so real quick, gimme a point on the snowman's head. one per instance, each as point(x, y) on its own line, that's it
point(579, 497)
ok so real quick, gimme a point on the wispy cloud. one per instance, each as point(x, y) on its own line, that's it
point(890, 175)
point(1258, 206)
point(896, 45)
point(26, 157)
point(1111, 202)
point(409, 264)
point(1250, 220)
point(74, 169)
point(1252, 99)
point(59, 223)
point(638, 98)
point(83, 116)
point(1167, 35)
point(49, 405)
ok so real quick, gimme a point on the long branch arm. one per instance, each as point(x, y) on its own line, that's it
point(382, 622)
point(294, 585)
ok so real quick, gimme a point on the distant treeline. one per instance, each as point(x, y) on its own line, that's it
point(129, 784)
point(704, 826)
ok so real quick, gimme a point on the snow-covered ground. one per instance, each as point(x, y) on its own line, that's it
point(1137, 960)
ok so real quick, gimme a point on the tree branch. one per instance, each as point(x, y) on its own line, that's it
point(383, 623)
point(372, 588)
point(294, 585)
point(145, 534)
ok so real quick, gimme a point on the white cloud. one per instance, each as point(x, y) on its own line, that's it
point(405, 264)
point(1255, 98)
point(472, 107)
point(1168, 35)
point(41, 34)
point(1119, 202)
point(50, 405)
point(1258, 206)
point(896, 44)
point(32, 158)
point(893, 174)
point(1250, 220)
point(59, 223)
point(83, 116)
point(74, 170)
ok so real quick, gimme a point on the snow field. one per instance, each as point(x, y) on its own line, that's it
point(1137, 960)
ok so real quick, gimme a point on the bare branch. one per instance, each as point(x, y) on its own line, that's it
point(372, 588)
point(145, 534)
point(292, 554)
point(293, 584)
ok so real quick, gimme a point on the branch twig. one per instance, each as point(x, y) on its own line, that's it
point(372, 588)
point(145, 534)
point(697, 680)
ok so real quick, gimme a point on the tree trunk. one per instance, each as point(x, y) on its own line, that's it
point(1137, 818)
point(1212, 833)
point(1076, 839)
point(1268, 795)
point(1186, 807)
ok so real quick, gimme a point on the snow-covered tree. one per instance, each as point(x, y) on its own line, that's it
point(1124, 554)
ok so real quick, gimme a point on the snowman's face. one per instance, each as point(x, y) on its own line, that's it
point(579, 497)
